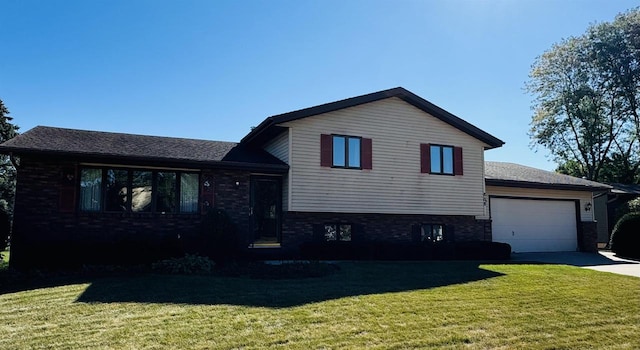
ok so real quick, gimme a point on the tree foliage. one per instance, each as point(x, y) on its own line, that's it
point(587, 101)
point(7, 170)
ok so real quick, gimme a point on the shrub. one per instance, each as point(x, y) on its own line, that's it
point(187, 265)
point(625, 238)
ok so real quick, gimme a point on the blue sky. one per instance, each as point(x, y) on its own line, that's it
point(212, 69)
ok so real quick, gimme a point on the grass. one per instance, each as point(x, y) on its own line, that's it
point(378, 305)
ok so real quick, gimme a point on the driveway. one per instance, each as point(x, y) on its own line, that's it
point(602, 261)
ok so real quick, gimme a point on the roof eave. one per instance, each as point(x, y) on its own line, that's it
point(398, 92)
point(148, 161)
point(539, 185)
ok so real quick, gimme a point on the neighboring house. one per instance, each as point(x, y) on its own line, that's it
point(606, 206)
point(387, 166)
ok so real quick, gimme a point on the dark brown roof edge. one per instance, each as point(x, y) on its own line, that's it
point(549, 186)
point(398, 92)
point(149, 161)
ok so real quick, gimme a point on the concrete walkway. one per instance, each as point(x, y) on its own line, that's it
point(602, 261)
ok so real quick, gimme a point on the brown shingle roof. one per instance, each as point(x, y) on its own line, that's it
point(268, 128)
point(50, 140)
point(516, 175)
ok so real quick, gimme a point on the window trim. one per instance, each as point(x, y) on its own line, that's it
point(346, 151)
point(339, 237)
point(441, 151)
point(104, 168)
point(425, 160)
point(431, 226)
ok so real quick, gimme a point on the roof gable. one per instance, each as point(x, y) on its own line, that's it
point(269, 127)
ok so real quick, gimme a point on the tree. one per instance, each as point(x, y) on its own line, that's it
point(7, 170)
point(587, 101)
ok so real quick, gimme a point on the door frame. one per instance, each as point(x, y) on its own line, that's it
point(576, 202)
point(253, 180)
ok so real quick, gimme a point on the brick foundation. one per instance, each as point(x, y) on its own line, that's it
point(299, 227)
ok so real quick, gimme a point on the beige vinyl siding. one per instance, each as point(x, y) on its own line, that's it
point(583, 196)
point(279, 148)
point(395, 184)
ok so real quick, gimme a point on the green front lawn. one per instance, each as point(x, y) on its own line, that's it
point(363, 305)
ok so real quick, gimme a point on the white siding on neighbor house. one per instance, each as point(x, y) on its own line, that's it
point(279, 148)
point(584, 196)
point(395, 185)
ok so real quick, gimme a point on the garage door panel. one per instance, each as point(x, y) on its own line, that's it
point(534, 225)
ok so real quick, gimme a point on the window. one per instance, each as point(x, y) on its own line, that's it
point(91, 189)
point(439, 159)
point(346, 151)
point(431, 233)
point(351, 152)
point(138, 191)
point(188, 193)
point(166, 198)
point(337, 232)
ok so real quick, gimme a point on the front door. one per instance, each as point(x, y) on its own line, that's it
point(265, 209)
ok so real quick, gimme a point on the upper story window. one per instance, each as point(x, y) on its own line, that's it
point(346, 151)
point(138, 191)
point(341, 151)
point(441, 159)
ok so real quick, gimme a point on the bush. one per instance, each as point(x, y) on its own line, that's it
point(625, 238)
point(187, 265)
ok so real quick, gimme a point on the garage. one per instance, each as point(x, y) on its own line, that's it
point(535, 225)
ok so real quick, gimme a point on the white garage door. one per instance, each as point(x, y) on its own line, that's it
point(534, 225)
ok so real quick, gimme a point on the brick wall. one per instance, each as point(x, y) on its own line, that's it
point(45, 233)
point(588, 239)
point(298, 227)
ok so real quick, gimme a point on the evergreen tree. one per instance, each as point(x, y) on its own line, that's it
point(7, 170)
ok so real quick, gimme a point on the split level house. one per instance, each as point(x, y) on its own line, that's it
point(386, 166)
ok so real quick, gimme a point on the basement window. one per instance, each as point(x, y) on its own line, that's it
point(432, 233)
point(337, 232)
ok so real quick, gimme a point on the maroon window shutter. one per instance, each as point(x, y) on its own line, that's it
point(67, 200)
point(367, 154)
point(326, 150)
point(425, 158)
point(457, 160)
point(67, 196)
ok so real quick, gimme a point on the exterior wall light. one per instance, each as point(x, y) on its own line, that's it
point(587, 207)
